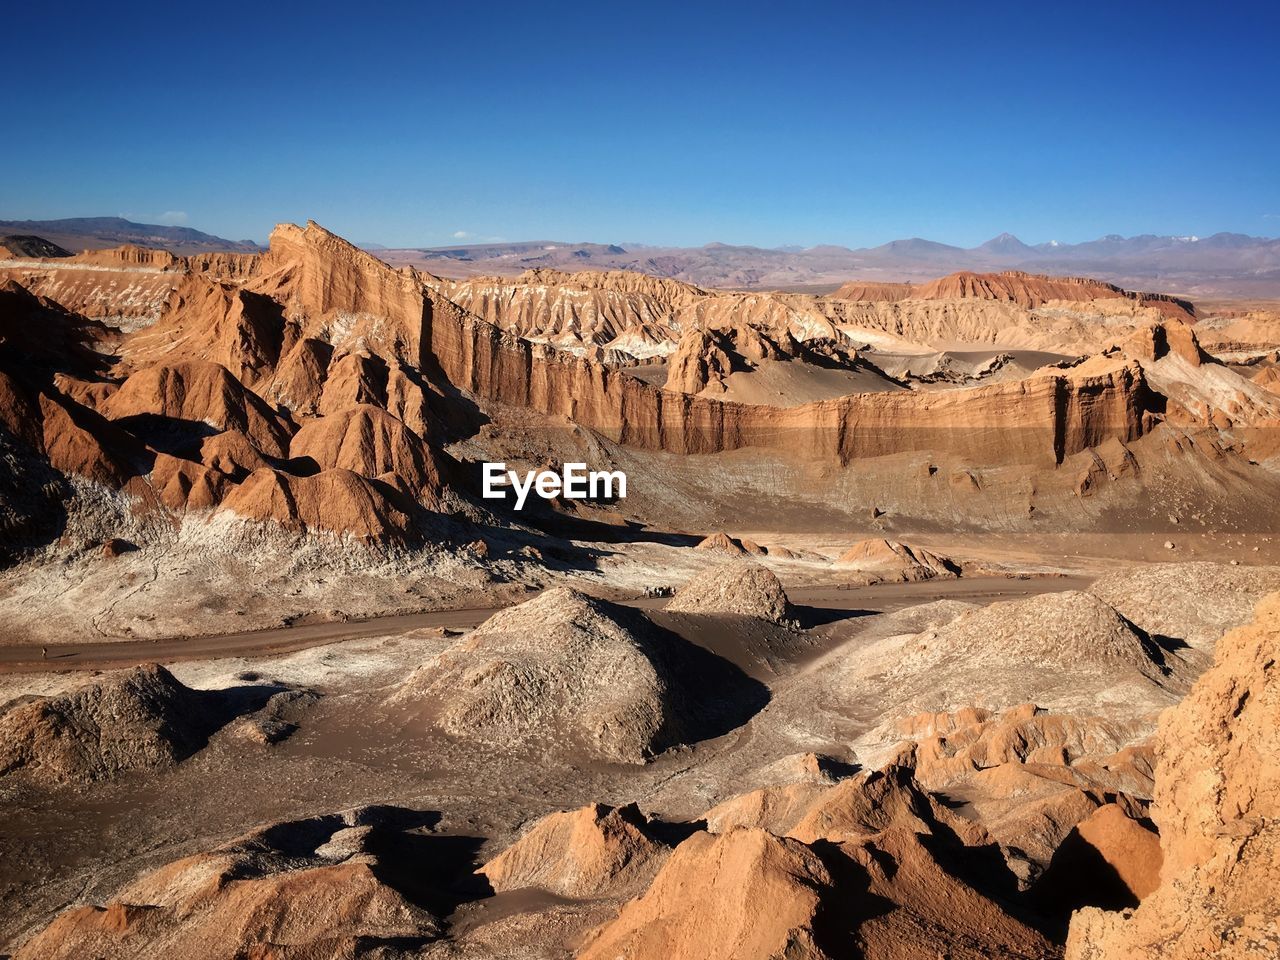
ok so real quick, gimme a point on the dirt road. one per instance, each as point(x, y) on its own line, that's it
point(113, 654)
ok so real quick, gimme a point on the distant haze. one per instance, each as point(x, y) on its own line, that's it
point(1221, 265)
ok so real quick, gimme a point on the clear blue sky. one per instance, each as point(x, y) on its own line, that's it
point(762, 123)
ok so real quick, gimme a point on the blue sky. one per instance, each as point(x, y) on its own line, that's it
point(665, 123)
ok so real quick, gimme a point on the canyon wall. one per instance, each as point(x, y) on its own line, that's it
point(1043, 418)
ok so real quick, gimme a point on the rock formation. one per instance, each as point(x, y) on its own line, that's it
point(316, 330)
point(591, 852)
point(1216, 805)
point(1195, 602)
point(890, 560)
point(566, 672)
point(134, 719)
point(1013, 286)
point(744, 589)
point(870, 839)
point(722, 543)
point(702, 903)
point(309, 888)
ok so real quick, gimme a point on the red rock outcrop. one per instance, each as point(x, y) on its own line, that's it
point(1268, 377)
point(207, 319)
point(722, 543)
point(367, 440)
point(1158, 340)
point(1027, 290)
point(700, 363)
point(204, 393)
point(1217, 805)
point(130, 255)
point(862, 842)
point(79, 441)
point(248, 899)
point(1043, 418)
point(891, 560)
point(1110, 859)
point(298, 382)
point(594, 851)
point(706, 902)
point(614, 310)
point(335, 501)
point(234, 454)
point(870, 290)
point(184, 485)
point(319, 327)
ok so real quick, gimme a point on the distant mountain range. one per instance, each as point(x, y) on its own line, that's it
point(95, 233)
point(1221, 265)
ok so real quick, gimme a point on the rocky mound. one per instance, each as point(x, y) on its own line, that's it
point(950, 747)
point(1069, 651)
point(231, 452)
point(1052, 630)
point(1031, 777)
point(135, 719)
point(890, 560)
point(742, 895)
point(748, 892)
point(1218, 810)
point(1110, 859)
point(312, 888)
point(857, 807)
point(724, 543)
point(369, 441)
point(1195, 602)
point(743, 589)
point(1268, 377)
point(574, 674)
point(173, 406)
point(594, 851)
point(790, 788)
point(1027, 290)
point(334, 500)
point(25, 245)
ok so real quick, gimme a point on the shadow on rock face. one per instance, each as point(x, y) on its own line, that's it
point(715, 695)
point(434, 871)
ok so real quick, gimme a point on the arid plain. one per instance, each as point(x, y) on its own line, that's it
point(939, 618)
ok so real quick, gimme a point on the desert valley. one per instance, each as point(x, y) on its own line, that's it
point(939, 618)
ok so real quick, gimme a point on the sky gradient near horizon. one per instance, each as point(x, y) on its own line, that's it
point(662, 123)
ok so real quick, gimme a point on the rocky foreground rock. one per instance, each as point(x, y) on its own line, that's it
point(315, 888)
point(1217, 804)
point(820, 861)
